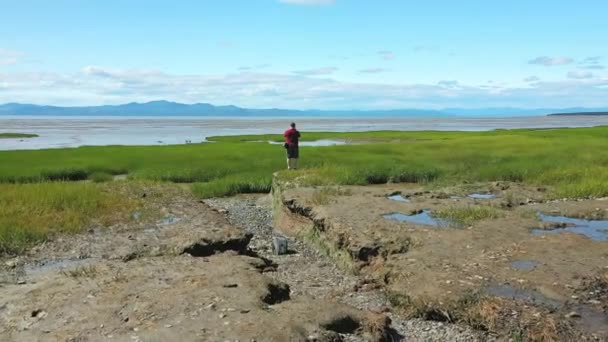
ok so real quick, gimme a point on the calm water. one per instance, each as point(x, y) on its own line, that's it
point(58, 132)
point(593, 229)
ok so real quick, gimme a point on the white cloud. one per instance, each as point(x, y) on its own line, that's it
point(448, 83)
point(99, 85)
point(531, 79)
point(386, 55)
point(317, 72)
point(592, 60)
point(594, 67)
point(551, 61)
point(308, 2)
point(372, 70)
point(592, 63)
point(10, 56)
point(580, 74)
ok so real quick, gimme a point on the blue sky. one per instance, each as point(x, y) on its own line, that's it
point(341, 54)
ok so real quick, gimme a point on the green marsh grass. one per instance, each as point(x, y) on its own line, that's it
point(30, 213)
point(572, 162)
point(100, 177)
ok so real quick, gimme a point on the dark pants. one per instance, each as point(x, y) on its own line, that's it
point(293, 151)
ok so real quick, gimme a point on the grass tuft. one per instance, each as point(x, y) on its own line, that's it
point(324, 195)
point(468, 215)
point(81, 272)
point(100, 177)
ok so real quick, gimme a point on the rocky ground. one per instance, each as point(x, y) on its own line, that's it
point(312, 274)
point(182, 270)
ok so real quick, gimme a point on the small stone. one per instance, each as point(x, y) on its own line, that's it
point(231, 286)
point(245, 311)
point(168, 326)
point(279, 245)
point(21, 282)
point(231, 310)
point(573, 314)
point(136, 329)
point(210, 306)
point(11, 264)
point(101, 326)
point(223, 315)
point(574, 297)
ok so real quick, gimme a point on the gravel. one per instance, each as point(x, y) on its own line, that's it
point(311, 273)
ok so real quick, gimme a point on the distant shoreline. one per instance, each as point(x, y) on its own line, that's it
point(17, 135)
point(580, 114)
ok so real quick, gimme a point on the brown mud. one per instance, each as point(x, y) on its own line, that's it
point(464, 273)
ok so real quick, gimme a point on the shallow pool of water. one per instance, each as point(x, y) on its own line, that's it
point(398, 198)
point(482, 196)
point(170, 220)
point(515, 293)
point(593, 229)
point(316, 143)
point(524, 265)
point(56, 265)
point(591, 319)
point(423, 218)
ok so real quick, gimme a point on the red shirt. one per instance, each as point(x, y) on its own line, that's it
point(291, 136)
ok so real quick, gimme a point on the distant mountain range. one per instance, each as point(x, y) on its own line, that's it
point(166, 108)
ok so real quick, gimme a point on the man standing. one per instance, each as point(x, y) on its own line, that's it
point(292, 135)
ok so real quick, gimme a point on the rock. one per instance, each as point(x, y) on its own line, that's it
point(39, 314)
point(279, 245)
point(21, 282)
point(573, 314)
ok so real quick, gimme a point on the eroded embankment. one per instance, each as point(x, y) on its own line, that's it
point(189, 278)
point(468, 272)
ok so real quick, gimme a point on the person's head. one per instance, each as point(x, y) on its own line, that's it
point(292, 125)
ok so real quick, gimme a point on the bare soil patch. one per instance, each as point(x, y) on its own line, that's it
point(450, 273)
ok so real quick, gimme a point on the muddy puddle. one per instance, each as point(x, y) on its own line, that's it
point(587, 317)
point(482, 196)
point(169, 220)
point(524, 265)
point(58, 265)
point(398, 197)
point(593, 229)
point(422, 218)
point(315, 143)
point(510, 292)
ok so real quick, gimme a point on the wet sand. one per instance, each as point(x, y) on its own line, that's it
point(58, 132)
